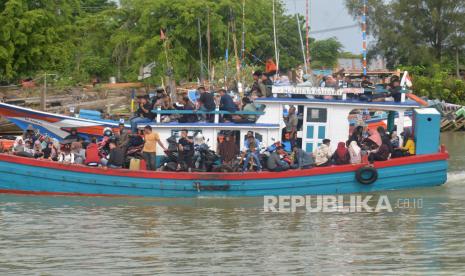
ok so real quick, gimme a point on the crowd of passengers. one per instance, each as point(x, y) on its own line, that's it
point(227, 101)
point(191, 153)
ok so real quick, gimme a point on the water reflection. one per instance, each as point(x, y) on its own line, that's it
point(120, 236)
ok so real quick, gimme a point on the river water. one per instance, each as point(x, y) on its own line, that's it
point(100, 236)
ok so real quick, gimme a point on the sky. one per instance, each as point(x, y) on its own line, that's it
point(326, 14)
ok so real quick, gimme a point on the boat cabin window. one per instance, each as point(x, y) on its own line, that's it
point(316, 115)
point(190, 132)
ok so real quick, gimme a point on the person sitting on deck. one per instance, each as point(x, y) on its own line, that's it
point(275, 162)
point(303, 159)
point(247, 106)
point(116, 159)
point(323, 154)
point(226, 104)
point(38, 150)
point(257, 86)
point(267, 85)
point(291, 122)
point(92, 153)
point(65, 155)
point(409, 146)
point(357, 135)
point(48, 151)
point(355, 153)
point(206, 103)
point(186, 152)
point(385, 139)
point(270, 66)
point(157, 99)
point(341, 156)
point(188, 106)
point(18, 145)
point(150, 148)
point(380, 154)
point(122, 137)
point(395, 89)
point(394, 140)
point(227, 148)
point(73, 136)
point(30, 134)
point(143, 114)
point(79, 152)
point(252, 146)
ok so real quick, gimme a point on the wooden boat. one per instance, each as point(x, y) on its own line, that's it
point(319, 119)
point(21, 175)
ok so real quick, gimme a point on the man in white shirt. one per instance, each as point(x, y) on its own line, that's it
point(323, 154)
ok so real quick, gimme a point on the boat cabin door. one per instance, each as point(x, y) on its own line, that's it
point(314, 127)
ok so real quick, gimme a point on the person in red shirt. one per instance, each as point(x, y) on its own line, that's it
point(92, 153)
point(270, 67)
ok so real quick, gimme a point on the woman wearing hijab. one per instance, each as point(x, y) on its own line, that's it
point(79, 153)
point(355, 153)
point(38, 149)
point(48, 151)
point(341, 156)
point(66, 156)
point(374, 140)
point(357, 135)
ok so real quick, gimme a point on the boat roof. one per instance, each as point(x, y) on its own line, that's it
point(207, 125)
point(353, 102)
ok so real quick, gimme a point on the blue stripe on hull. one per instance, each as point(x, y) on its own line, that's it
point(27, 178)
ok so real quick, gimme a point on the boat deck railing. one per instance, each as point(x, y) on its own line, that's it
point(328, 91)
point(215, 112)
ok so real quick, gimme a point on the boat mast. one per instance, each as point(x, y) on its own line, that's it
point(200, 51)
point(301, 42)
point(306, 35)
point(364, 37)
point(238, 64)
point(208, 47)
point(226, 57)
point(275, 39)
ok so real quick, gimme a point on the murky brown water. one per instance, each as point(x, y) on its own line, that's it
point(99, 236)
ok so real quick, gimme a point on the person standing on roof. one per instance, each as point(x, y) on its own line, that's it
point(206, 103)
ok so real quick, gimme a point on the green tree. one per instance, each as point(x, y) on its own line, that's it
point(413, 31)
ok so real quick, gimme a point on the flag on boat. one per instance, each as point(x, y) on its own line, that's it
point(406, 81)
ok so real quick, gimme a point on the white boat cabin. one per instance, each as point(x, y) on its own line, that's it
point(318, 118)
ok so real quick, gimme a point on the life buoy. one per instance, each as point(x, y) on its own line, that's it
point(361, 174)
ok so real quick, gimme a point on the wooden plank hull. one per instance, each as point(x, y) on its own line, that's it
point(29, 176)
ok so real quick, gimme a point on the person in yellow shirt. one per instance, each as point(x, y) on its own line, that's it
point(150, 148)
point(409, 145)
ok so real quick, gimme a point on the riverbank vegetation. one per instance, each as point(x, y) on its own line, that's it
point(83, 39)
point(425, 37)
